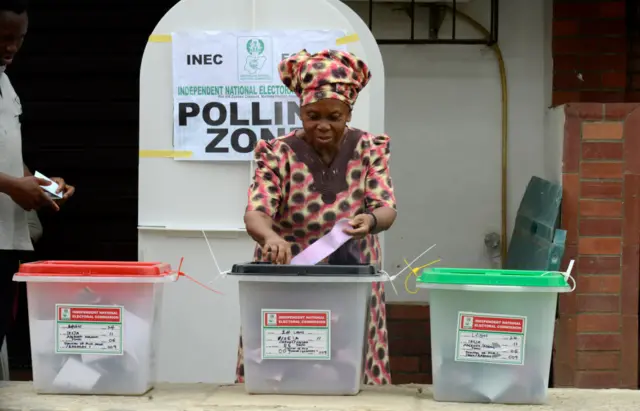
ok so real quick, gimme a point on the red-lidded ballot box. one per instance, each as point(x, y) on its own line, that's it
point(94, 325)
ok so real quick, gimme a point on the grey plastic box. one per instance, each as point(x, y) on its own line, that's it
point(344, 291)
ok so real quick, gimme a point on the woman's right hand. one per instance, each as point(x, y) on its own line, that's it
point(276, 250)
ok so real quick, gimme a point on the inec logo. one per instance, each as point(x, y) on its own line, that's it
point(256, 59)
point(254, 62)
point(255, 47)
point(66, 314)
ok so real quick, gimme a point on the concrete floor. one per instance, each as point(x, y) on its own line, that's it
point(19, 396)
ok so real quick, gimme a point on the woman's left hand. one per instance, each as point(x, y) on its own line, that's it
point(361, 225)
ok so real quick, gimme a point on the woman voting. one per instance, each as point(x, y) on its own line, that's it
point(311, 178)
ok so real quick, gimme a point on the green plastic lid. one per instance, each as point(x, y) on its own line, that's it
point(473, 276)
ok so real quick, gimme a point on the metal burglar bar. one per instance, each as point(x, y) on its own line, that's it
point(437, 13)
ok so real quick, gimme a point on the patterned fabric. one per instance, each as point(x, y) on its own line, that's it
point(305, 198)
point(327, 74)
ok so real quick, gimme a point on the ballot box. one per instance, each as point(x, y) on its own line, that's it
point(304, 326)
point(94, 325)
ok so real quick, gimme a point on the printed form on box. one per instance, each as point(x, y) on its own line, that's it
point(97, 341)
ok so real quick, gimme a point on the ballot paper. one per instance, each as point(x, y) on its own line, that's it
point(107, 349)
point(88, 296)
point(254, 355)
point(347, 356)
point(522, 384)
point(325, 246)
point(137, 345)
point(325, 372)
point(51, 188)
point(137, 331)
point(42, 335)
point(75, 375)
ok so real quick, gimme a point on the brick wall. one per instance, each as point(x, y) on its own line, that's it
point(597, 330)
point(409, 343)
point(590, 50)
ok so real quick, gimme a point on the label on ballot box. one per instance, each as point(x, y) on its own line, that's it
point(296, 334)
point(491, 339)
point(89, 329)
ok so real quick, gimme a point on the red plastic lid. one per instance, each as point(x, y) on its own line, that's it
point(94, 269)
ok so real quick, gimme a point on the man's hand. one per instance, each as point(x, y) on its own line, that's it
point(361, 225)
point(67, 190)
point(27, 192)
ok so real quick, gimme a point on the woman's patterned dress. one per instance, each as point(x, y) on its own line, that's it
point(305, 198)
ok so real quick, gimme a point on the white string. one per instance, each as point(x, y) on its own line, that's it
point(386, 275)
point(566, 274)
point(392, 278)
point(573, 287)
point(215, 261)
point(411, 263)
point(570, 268)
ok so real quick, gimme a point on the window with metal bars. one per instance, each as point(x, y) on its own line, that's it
point(426, 21)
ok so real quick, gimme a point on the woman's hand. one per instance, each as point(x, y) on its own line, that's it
point(276, 250)
point(361, 225)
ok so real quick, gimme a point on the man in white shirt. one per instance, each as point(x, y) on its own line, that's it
point(20, 191)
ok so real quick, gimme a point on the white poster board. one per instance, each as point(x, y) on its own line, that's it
point(227, 92)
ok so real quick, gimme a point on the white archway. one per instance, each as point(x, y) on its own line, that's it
point(178, 200)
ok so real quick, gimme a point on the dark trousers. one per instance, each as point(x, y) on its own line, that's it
point(9, 265)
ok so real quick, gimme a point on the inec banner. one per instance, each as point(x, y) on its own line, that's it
point(227, 92)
